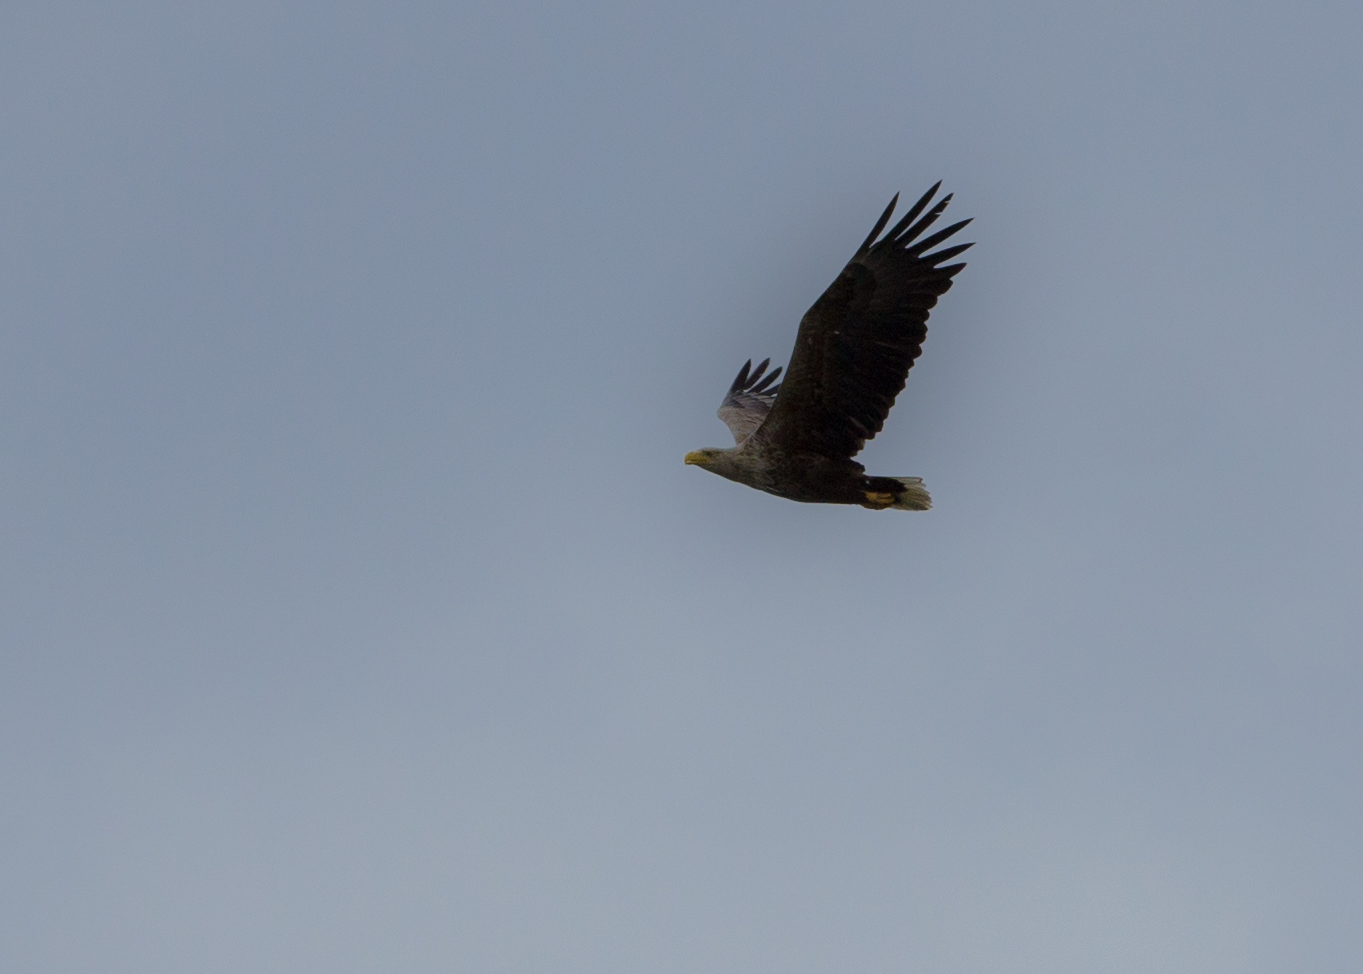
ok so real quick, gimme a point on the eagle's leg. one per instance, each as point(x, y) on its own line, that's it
point(901, 493)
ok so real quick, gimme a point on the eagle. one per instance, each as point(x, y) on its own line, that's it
point(852, 354)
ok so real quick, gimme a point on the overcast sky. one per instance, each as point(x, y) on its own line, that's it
point(357, 612)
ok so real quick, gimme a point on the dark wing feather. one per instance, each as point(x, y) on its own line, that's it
point(859, 340)
point(749, 399)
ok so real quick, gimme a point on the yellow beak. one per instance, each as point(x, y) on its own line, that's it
point(696, 457)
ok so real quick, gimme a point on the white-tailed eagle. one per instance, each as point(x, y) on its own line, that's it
point(852, 354)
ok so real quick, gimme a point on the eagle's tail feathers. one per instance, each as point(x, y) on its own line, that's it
point(901, 493)
point(914, 496)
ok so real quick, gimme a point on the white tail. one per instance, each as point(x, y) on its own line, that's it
point(915, 496)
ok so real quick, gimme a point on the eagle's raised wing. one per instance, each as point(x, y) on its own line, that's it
point(749, 400)
point(858, 342)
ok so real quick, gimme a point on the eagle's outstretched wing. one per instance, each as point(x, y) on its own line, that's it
point(857, 343)
point(749, 400)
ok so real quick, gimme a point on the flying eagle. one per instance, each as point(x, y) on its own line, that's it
point(852, 354)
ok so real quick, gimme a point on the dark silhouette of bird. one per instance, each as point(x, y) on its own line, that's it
point(852, 355)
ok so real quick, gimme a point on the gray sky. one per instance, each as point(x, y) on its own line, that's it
point(358, 613)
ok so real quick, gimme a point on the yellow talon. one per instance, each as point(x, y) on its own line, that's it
point(879, 499)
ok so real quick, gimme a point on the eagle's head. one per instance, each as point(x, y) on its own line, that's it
point(707, 457)
point(725, 462)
